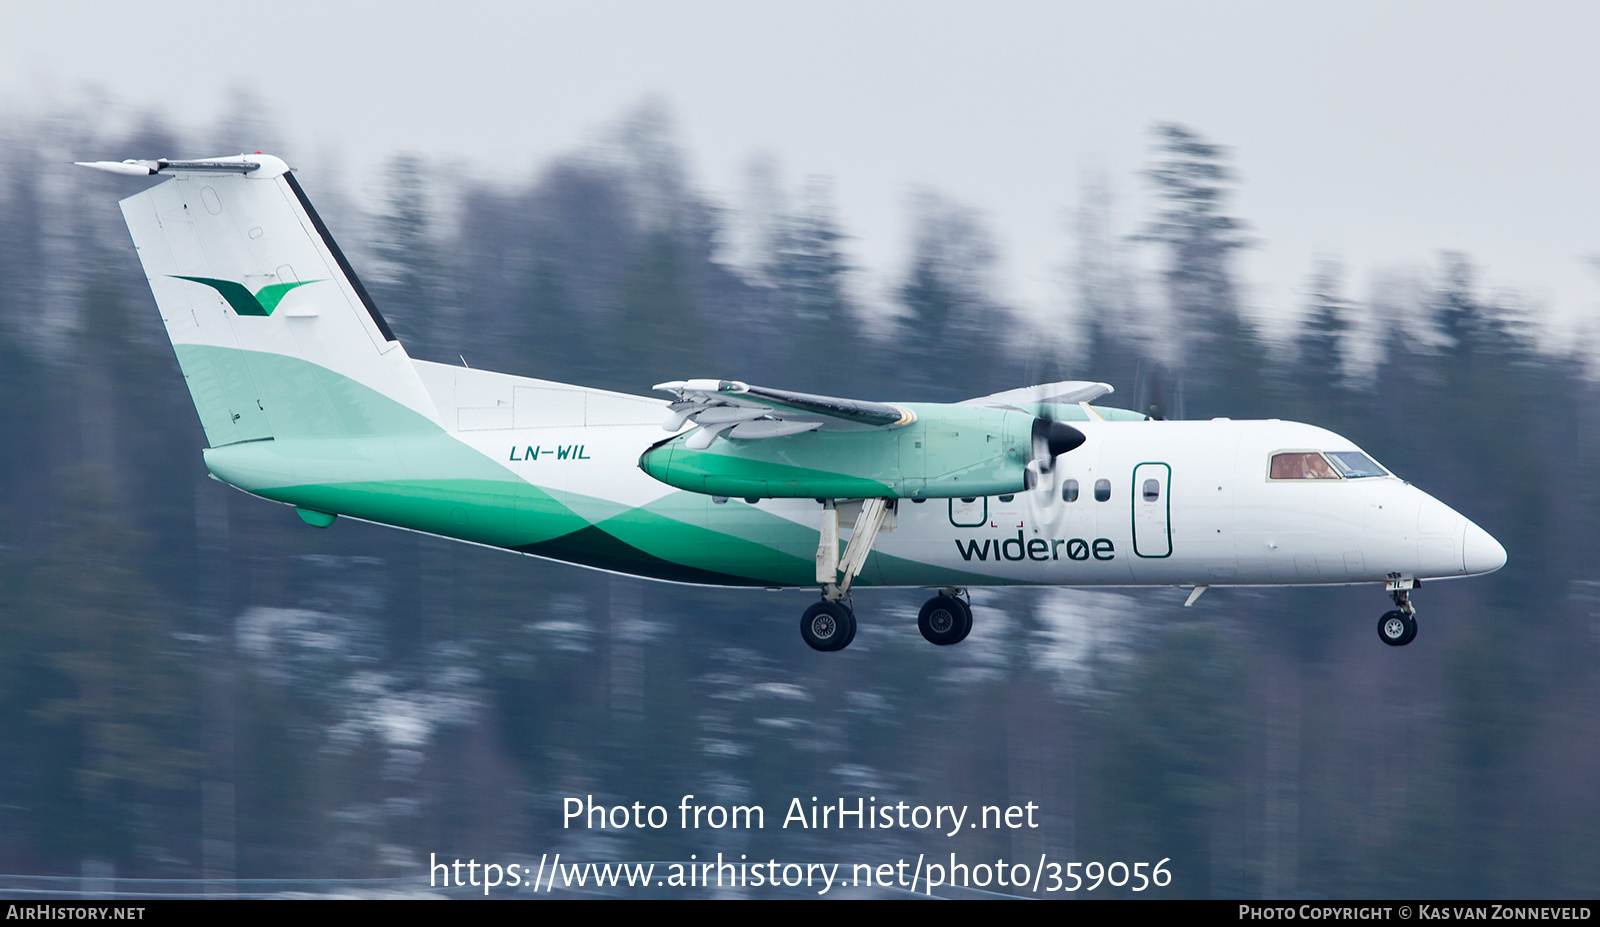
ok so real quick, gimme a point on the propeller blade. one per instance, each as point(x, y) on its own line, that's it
point(1051, 439)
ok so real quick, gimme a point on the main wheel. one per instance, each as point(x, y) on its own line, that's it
point(1397, 629)
point(966, 619)
point(944, 620)
point(828, 626)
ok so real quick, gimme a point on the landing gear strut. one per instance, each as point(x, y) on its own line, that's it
point(1398, 628)
point(945, 619)
point(831, 624)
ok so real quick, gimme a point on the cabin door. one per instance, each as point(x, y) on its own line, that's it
point(1152, 510)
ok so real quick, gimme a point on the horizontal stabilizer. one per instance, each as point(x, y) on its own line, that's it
point(235, 165)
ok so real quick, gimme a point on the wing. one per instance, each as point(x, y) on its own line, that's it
point(748, 412)
point(1028, 398)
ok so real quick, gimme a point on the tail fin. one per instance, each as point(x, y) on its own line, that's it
point(276, 336)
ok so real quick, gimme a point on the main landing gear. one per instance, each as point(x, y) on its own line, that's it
point(830, 624)
point(1398, 628)
point(945, 619)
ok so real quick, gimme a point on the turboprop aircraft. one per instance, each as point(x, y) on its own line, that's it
point(308, 399)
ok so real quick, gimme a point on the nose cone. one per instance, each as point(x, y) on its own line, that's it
point(1480, 552)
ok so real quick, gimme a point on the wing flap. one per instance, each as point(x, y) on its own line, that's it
point(746, 412)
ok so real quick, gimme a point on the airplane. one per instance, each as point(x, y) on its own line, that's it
point(308, 399)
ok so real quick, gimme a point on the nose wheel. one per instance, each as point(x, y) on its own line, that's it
point(1398, 628)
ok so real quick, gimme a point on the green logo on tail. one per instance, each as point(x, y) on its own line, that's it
point(242, 300)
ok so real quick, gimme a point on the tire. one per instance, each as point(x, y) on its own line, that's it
point(966, 620)
point(828, 626)
point(1396, 628)
point(944, 620)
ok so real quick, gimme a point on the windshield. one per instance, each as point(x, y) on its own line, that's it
point(1354, 464)
point(1301, 465)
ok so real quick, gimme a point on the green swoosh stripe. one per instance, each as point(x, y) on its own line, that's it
point(242, 300)
point(270, 296)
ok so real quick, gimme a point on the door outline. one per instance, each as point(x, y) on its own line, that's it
point(982, 521)
point(1166, 515)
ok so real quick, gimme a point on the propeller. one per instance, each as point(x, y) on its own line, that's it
point(1051, 439)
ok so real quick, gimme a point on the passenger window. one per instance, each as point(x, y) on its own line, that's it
point(1069, 491)
point(1102, 490)
point(1302, 466)
point(1152, 491)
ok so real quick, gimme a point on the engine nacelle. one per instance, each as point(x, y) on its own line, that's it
point(949, 451)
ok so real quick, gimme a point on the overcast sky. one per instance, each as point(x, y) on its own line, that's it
point(1378, 133)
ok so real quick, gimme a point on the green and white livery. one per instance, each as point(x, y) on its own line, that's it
point(308, 399)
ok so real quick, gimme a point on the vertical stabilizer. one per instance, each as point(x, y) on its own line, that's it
point(276, 336)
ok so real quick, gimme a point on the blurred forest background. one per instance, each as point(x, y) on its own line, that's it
point(194, 685)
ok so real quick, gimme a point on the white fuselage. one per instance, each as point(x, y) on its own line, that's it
point(1215, 517)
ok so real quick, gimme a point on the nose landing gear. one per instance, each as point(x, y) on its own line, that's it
point(1398, 628)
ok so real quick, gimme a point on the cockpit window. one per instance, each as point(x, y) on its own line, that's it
point(1355, 465)
point(1301, 465)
